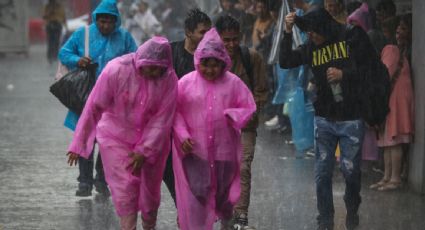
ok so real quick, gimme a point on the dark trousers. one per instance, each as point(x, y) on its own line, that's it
point(86, 170)
point(53, 31)
point(168, 177)
point(349, 134)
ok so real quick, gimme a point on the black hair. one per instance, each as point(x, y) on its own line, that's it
point(227, 22)
point(104, 15)
point(388, 6)
point(194, 17)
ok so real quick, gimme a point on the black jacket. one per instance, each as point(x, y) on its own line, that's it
point(347, 48)
point(182, 60)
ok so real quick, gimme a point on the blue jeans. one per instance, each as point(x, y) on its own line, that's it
point(349, 135)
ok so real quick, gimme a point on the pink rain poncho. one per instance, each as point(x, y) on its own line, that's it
point(211, 113)
point(125, 113)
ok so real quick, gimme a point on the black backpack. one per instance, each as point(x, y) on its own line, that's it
point(375, 88)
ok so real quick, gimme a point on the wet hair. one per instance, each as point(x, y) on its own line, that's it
point(194, 17)
point(227, 22)
point(206, 59)
point(352, 6)
point(387, 6)
point(107, 16)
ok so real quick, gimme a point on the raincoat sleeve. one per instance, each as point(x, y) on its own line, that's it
point(68, 54)
point(157, 131)
point(289, 58)
point(100, 98)
point(180, 128)
point(244, 106)
point(130, 44)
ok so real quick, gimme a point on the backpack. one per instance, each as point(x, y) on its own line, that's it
point(246, 62)
point(375, 89)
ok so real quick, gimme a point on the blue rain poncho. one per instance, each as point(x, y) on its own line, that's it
point(102, 48)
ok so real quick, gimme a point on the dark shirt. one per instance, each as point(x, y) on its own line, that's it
point(182, 60)
point(349, 51)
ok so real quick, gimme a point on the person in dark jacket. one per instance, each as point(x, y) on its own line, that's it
point(339, 56)
point(197, 23)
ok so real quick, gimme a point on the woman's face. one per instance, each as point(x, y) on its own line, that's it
point(402, 34)
point(211, 68)
point(152, 71)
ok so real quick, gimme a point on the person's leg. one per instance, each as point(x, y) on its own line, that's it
point(351, 135)
point(387, 169)
point(168, 177)
point(55, 42)
point(149, 220)
point(85, 178)
point(326, 141)
point(50, 40)
point(225, 174)
point(241, 208)
point(99, 181)
point(128, 222)
point(396, 160)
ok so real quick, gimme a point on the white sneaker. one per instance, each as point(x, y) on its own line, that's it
point(272, 122)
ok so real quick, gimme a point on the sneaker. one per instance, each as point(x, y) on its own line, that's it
point(102, 188)
point(272, 122)
point(241, 223)
point(83, 190)
point(352, 222)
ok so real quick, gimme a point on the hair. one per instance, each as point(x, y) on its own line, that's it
point(265, 2)
point(107, 16)
point(194, 17)
point(227, 22)
point(388, 6)
point(206, 59)
point(407, 20)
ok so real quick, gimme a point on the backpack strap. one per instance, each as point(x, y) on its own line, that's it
point(246, 62)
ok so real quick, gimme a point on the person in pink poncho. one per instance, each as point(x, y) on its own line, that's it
point(130, 113)
point(213, 105)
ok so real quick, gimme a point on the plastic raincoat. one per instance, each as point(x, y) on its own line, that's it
point(125, 113)
point(102, 48)
point(211, 113)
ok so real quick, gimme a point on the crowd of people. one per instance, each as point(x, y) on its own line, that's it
point(184, 108)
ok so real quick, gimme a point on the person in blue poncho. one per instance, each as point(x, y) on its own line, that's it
point(106, 42)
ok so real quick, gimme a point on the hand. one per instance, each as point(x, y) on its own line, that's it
point(84, 62)
point(136, 163)
point(334, 74)
point(72, 158)
point(289, 22)
point(187, 146)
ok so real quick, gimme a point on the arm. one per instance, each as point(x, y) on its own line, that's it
point(157, 132)
point(180, 128)
point(260, 88)
point(390, 57)
point(69, 54)
point(100, 98)
point(130, 44)
point(289, 58)
point(243, 108)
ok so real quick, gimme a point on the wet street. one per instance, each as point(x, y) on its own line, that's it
point(37, 187)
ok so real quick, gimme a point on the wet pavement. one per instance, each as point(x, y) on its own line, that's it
point(37, 187)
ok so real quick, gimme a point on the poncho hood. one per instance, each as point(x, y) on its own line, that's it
point(211, 46)
point(155, 51)
point(108, 7)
